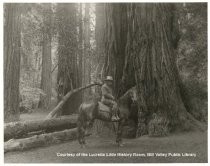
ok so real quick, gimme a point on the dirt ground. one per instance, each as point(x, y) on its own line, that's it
point(189, 142)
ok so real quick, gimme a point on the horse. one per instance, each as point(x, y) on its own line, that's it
point(88, 112)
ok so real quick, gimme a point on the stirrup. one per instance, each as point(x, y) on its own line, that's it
point(114, 118)
point(117, 118)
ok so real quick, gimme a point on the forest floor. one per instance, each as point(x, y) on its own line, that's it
point(189, 142)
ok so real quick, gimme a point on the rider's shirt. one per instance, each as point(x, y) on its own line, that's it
point(107, 92)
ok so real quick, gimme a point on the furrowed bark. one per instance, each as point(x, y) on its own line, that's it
point(12, 46)
point(116, 30)
point(46, 84)
point(157, 80)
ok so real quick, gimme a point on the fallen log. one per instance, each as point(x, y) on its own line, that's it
point(40, 140)
point(18, 129)
point(57, 109)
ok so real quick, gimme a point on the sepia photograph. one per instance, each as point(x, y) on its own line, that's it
point(105, 82)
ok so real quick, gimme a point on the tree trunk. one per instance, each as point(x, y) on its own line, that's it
point(153, 35)
point(40, 140)
point(67, 78)
point(99, 125)
point(140, 49)
point(12, 46)
point(81, 50)
point(99, 37)
point(19, 129)
point(114, 43)
point(115, 47)
point(115, 40)
point(46, 82)
point(86, 59)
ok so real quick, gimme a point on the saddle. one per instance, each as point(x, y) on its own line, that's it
point(103, 107)
point(104, 112)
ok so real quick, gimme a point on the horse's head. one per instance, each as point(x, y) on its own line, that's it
point(130, 97)
point(133, 94)
point(127, 103)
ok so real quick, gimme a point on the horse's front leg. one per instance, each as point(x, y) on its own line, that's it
point(89, 127)
point(81, 134)
point(119, 132)
point(84, 130)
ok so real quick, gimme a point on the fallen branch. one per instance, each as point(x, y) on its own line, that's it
point(57, 109)
point(21, 128)
point(54, 68)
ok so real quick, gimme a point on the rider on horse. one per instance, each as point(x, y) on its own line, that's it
point(108, 98)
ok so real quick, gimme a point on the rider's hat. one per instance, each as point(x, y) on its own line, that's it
point(108, 78)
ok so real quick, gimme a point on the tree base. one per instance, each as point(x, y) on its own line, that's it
point(158, 126)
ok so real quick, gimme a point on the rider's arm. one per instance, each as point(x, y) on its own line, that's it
point(106, 93)
point(109, 96)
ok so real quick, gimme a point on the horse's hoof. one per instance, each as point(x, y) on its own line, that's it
point(121, 144)
point(88, 132)
point(83, 146)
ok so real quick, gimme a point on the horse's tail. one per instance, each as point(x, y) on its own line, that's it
point(80, 110)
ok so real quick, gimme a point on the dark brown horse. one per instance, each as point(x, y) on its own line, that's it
point(88, 112)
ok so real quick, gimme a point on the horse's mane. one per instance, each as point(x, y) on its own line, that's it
point(125, 99)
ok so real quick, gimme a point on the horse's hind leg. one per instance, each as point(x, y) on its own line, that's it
point(119, 132)
point(81, 134)
point(89, 127)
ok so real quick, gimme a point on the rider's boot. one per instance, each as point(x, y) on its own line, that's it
point(115, 116)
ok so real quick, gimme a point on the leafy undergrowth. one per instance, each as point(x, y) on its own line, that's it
point(38, 113)
point(29, 97)
point(189, 142)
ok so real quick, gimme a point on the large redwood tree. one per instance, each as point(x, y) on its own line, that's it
point(154, 37)
point(68, 74)
point(11, 61)
point(117, 61)
point(46, 84)
point(140, 42)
